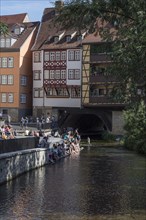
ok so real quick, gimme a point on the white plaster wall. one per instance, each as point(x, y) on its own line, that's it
point(74, 65)
point(61, 102)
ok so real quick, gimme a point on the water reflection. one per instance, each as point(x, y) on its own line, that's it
point(100, 183)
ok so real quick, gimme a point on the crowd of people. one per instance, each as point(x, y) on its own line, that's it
point(7, 132)
point(69, 144)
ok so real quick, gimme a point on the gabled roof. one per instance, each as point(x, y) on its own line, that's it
point(15, 18)
point(28, 28)
point(49, 29)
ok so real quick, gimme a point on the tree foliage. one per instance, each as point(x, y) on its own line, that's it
point(135, 127)
point(3, 29)
point(128, 17)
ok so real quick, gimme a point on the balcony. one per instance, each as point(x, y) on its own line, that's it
point(100, 58)
point(98, 77)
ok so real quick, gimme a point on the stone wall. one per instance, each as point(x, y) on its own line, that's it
point(19, 143)
point(15, 163)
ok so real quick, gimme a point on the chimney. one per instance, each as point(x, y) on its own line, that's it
point(58, 6)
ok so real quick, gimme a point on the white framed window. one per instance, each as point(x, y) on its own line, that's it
point(10, 79)
point(46, 74)
point(23, 98)
point(63, 55)
point(77, 54)
point(10, 97)
point(2, 42)
point(47, 56)
point(8, 42)
point(57, 74)
point(63, 74)
point(52, 56)
point(52, 74)
point(23, 80)
point(37, 57)
point(17, 30)
point(37, 74)
point(3, 97)
point(58, 56)
point(77, 74)
point(71, 74)
point(4, 79)
point(10, 61)
point(70, 55)
point(4, 62)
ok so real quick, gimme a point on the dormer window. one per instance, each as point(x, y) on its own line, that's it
point(56, 39)
point(79, 38)
point(68, 38)
point(17, 30)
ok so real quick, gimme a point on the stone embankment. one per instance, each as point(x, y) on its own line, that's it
point(13, 164)
point(20, 155)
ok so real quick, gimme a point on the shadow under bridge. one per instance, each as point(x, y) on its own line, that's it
point(89, 123)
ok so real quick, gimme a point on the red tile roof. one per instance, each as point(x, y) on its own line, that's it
point(15, 18)
point(49, 29)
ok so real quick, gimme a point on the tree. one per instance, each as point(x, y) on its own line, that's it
point(3, 29)
point(135, 127)
point(128, 17)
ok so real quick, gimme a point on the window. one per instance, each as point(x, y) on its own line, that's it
point(23, 80)
point(63, 55)
point(57, 74)
point(63, 74)
point(37, 57)
point(2, 42)
point(4, 97)
point(8, 42)
point(77, 74)
point(61, 91)
point(74, 74)
point(46, 58)
point(51, 74)
point(10, 62)
point(68, 38)
point(52, 56)
point(38, 93)
point(17, 30)
point(77, 55)
point(23, 98)
point(71, 55)
point(70, 74)
point(56, 39)
point(10, 79)
point(79, 38)
point(4, 62)
point(11, 97)
point(75, 92)
point(57, 56)
point(46, 74)
point(4, 79)
point(36, 74)
point(5, 42)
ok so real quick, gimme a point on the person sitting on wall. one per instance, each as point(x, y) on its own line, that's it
point(44, 142)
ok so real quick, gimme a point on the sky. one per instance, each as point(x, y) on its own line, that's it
point(34, 8)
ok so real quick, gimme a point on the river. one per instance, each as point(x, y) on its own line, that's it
point(103, 183)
